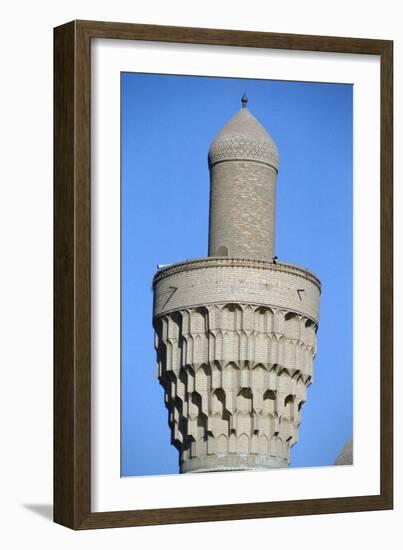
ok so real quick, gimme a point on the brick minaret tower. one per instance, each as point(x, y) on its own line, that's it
point(235, 333)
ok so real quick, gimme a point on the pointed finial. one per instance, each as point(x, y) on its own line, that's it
point(244, 101)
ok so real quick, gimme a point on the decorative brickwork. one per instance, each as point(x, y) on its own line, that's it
point(235, 379)
point(242, 209)
point(244, 138)
point(214, 280)
point(235, 333)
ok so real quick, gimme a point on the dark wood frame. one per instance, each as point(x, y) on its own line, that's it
point(72, 292)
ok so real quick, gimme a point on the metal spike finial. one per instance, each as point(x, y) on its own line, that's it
point(244, 101)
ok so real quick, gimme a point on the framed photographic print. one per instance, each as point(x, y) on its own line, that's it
point(222, 275)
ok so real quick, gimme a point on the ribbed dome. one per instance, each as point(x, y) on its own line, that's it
point(243, 138)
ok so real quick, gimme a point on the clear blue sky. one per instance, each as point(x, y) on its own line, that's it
point(168, 123)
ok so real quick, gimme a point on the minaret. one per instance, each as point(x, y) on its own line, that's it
point(235, 333)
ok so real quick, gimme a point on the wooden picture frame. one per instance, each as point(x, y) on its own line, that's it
point(72, 270)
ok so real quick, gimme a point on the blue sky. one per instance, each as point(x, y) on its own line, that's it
point(168, 123)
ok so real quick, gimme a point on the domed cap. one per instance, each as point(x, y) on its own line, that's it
point(244, 138)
